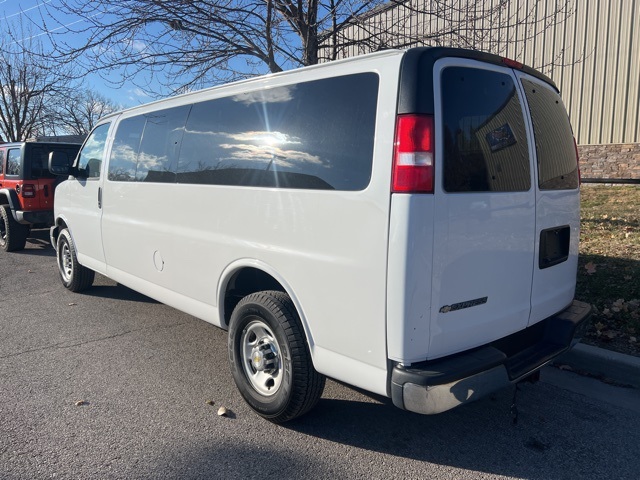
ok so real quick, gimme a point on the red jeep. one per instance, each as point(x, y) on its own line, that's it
point(26, 189)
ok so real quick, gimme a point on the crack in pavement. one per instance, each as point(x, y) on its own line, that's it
point(62, 345)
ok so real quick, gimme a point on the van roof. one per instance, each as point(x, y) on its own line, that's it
point(412, 55)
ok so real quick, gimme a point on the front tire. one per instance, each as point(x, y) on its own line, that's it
point(74, 276)
point(270, 360)
point(13, 235)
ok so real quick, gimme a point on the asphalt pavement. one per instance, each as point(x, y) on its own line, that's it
point(111, 384)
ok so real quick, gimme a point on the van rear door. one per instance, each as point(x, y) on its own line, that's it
point(557, 200)
point(485, 207)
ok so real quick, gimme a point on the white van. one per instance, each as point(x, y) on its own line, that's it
point(406, 222)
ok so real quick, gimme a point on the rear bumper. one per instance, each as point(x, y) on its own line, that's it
point(41, 217)
point(439, 385)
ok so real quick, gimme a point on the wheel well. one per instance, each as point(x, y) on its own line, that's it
point(245, 282)
point(60, 224)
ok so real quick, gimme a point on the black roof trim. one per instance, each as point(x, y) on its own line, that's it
point(415, 94)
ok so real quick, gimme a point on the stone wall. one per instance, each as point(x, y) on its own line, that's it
point(620, 160)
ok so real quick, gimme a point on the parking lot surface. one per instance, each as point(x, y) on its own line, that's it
point(111, 384)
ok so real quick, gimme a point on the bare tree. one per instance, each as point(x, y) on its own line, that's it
point(77, 112)
point(27, 81)
point(189, 43)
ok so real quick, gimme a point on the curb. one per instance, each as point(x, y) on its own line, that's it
point(609, 366)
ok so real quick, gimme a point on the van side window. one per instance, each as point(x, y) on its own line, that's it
point(124, 153)
point(315, 135)
point(13, 162)
point(557, 161)
point(160, 145)
point(485, 137)
point(92, 153)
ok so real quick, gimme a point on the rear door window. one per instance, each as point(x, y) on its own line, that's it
point(485, 136)
point(557, 160)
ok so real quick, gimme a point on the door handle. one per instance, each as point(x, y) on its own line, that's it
point(99, 197)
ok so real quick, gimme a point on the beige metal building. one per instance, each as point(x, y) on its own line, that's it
point(590, 48)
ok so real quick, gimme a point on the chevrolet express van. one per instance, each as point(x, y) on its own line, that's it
point(405, 222)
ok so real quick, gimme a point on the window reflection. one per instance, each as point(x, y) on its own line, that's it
point(91, 155)
point(316, 134)
point(485, 139)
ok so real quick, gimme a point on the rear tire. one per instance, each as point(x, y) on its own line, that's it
point(74, 276)
point(13, 235)
point(270, 360)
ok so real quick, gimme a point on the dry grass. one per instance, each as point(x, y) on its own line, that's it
point(609, 266)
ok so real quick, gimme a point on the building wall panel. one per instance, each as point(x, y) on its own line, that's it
point(592, 52)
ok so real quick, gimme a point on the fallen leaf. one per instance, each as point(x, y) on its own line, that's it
point(590, 268)
point(210, 402)
point(80, 403)
point(222, 411)
point(72, 304)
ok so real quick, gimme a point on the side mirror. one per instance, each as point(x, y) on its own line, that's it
point(60, 164)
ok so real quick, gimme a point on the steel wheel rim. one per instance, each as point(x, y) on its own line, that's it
point(3, 231)
point(261, 359)
point(66, 263)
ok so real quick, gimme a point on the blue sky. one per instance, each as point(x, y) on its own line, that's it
point(29, 13)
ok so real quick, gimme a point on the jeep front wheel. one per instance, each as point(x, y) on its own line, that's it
point(74, 276)
point(13, 235)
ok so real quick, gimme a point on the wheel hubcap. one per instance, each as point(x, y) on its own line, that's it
point(261, 358)
point(66, 264)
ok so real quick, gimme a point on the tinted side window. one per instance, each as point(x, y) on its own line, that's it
point(316, 135)
point(2, 155)
point(557, 162)
point(13, 162)
point(124, 153)
point(160, 145)
point(92, 153)
point(485, 138)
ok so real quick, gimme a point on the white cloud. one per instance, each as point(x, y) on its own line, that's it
point(281, 157)
point(269, 95)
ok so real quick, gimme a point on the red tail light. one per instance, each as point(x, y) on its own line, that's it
point(28, 190)
point(413, 154)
